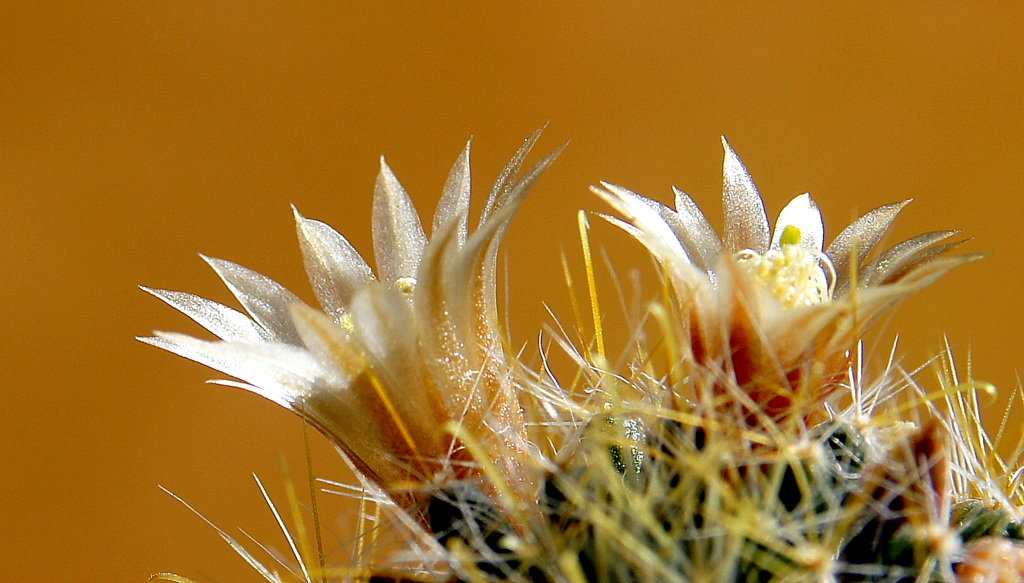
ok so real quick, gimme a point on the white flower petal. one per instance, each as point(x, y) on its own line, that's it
point(386, 328)
point(282, 372)
point(505, 182)
point(384, 325)
point(652, 230)
point(510, 190)
point(334, 267)
point(853, 244)
point(227, 323)
point(454, 203)
point(330, 344)
point(929, 266)
point(901, 256)
point(625, 226)
point(674, 222)
point(498, 220)
point(802, 213)
point(465, 279)
point(746, 222)
point(398, 238)
point(445, 302)
point(265, 299)
point(696, 231)
point(523, 185)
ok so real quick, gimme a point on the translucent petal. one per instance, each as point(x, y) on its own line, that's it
point(523, 185)
point(675, 223)
point(500, 216)
point(696, 232)
point(931, 268)
point(383, 323)
point(464, 347)
point(454, 203)
point(625, 226)
point(653, 232)
point(440, 298)
point(266, 300)
point(329, 343)
point(385, 327)
point(509, 190)
point(334, 267)
point(927, 255)
point(365, 432)
point(901, 256)
point(461, 282)
point(506, 179)
point(227, 323)
point(746, 223)
point(455, 300)
point(802, 213)
point(282, 372)
point(853, 244)
point(398, 237)
point(643, 213)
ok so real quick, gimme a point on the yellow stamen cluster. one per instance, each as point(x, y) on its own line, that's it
point(793, 274)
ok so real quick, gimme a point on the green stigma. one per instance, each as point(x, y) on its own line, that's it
point(790, 236)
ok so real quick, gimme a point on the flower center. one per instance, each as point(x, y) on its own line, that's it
point(793, 274)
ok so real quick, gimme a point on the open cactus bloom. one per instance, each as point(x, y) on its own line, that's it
point(760, 454)
point(774, 315)
point(390, 361)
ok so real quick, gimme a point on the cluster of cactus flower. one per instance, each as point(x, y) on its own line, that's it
point(736, 436)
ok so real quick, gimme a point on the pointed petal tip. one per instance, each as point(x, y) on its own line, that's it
point(558, 151)
point(216, 263)
point(897, 206)
point(465, 153)
point(731, 157)
point(385, 169)
point(537, 132)
point(156, 292)
point(155, 340)
point(803, 213)
point(386, 175)
point(611, 192)
point(746, 221)
point(807, 198)
point(305, 313)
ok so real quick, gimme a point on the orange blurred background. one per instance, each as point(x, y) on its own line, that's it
point(135, 135)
